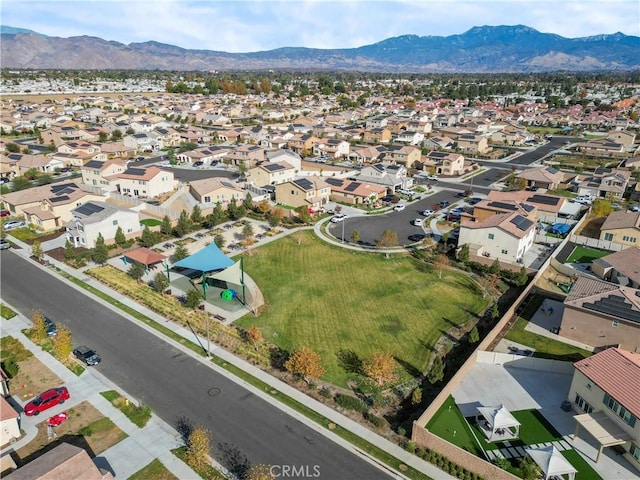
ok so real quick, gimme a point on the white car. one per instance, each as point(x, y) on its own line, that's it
point(11, 224)
point(339, 218)
point(427, 213)
point(400, 207)
point(417, 222)
point(433, 178)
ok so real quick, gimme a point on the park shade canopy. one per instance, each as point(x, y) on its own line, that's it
point(551, 462)
point(207, 259)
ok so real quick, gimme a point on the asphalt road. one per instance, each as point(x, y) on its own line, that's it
point(555, 143)
point(244, 427)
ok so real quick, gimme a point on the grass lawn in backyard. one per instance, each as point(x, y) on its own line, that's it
point(582, 254)
point(150, 222)
point(544, 347)
point(327, 298)
point(447, 420)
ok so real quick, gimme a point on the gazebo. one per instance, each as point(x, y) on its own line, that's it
point(145, 256)
point(551, 462)
point(498, 423)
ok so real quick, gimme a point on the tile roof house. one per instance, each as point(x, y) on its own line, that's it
point(390, 175)
point(42, 163)
point(505, 236)
point(622, 227)
point(210, 191)
point(604, 392)
point(312, 192)
point(355, 192)
point(543, 177)
point(95, 218)
point(146, 182)
point(447, 164)
point(600, 313)
point(102, 174)
point(64, 462)
point(621, 268)
point(9, 418)
point(271, 173)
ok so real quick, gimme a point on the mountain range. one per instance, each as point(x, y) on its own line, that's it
point(487, 49)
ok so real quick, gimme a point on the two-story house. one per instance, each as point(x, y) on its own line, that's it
point(332, 147)
point(94, 218)
point(271, 173)
point(447, 164)
point(312, 192)
point(390, 175)
point(210, 191)
point(604, 391)
point(145, 182)
point(404, 155)
point(102, 174)
point(622, 227)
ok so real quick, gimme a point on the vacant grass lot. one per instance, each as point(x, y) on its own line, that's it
point(328, 299)
point(582, 254)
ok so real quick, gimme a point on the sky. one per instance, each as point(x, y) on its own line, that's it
point(256, 25)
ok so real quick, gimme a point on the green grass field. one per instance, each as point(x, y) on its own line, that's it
point(151, 222)
point(328, 298)
point(582, 254)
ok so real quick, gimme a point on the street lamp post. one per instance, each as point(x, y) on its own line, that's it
point(206, 316)
point(342, 231)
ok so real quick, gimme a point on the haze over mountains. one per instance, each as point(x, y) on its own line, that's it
point(488, 49)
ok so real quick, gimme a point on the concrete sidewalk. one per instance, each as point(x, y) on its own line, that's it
point(332, 415)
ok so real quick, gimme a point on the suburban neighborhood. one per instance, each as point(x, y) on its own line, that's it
point(430, 286)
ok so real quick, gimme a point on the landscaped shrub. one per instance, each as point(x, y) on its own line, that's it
point(402, 431)
point(325, 392)
point(351, 403)
point(410, 447)
point(375, 420)
point(10, 368)
point(421, 453)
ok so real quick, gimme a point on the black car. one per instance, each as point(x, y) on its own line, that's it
point(417, 237)
point(198, 163)
point(52, 328)
point(87, 356)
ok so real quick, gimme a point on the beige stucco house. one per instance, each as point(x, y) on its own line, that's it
point(622, 227)
point(9, 426)
point(312, 192)
point(95, 218)
point(210, 191)
point(145, 182)
point(102, 174)
point(271, 173)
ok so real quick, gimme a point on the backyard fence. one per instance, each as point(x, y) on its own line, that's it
point(596, 243)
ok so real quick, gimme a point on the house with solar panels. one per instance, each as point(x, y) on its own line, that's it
point(505, 236)
point(354, 192)
point(147, 182)
point(545, 177)
point(601, 313)
point(271, 173)
point(94, 218)
point(312, 192)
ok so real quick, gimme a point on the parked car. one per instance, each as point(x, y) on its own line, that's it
point(4, 180)
point(87, 356)
point(433, 178)
point(11, 224)
point(444, 203)
point(417, 237)
point(4, 213)
point(427, 213)
point(339, 218)
point(417, 222)
point(4, 245)
point(474, 200)
point(635, 208)
point(66, 169)
point(400, 207)
point(46, 400)
point(198, 163)
point(52, 328)
point(139, 159)
point(390, 199)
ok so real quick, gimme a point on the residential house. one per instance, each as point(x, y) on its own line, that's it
point(65, 461)
point(599, 313)
point(376, 122)
point(302, 144)
point(544, 177)
point(331, 147)
point(204, 154)
point(355, 192)
point(604, 392)
point(247, 154)
point(210, 191)
point(530, 204)
point(439, 143)
point(48, 206)
point(447, 164)
point(610, 184)
point(623, 137)
point(404, 155)
point(311, 192)
point(146, 182)
point(144, 141)
point(621, 268)
point(411, 138)
point(601, 146)
point(392, 176)
point(271, 173)
point(289, 156)
point(376, 135)
point(9, 422)
point(102, 174)
point(96, 218)
point(9, 165)
point(622, 227)
point(505, 236)
point(41, 163)
point(371, 154)
point(117, 150)
point(476, 144)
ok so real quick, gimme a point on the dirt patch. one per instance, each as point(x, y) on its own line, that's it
point(550, 279)
point(85, 427)
point(33, 378)
point(591, 227)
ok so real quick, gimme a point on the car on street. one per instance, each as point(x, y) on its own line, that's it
point(198, 163)
point(417, 237)
point(341, 217)
point(444, 203)
point(4, 213)
point(87, 356)
point(66, 169)
point(4, 245)
point(400, 207)
point(390, 199)
point(474, 200)
point(433, 178)
point(417, 222)
point(46, 400)
point(11, 224)
point(427, 212)
point(139, 159)
point(51, 327)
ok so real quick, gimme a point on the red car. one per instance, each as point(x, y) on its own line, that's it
point(4, 213)
point(46, 400)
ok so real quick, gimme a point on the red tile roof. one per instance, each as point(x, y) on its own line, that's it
point(145, 256)
point(617, 372)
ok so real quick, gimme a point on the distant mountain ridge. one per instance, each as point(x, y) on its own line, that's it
point(486, 49)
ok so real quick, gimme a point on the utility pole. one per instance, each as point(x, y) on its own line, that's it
point(206, 316)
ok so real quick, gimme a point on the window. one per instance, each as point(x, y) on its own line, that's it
point(618, 409)
point(626, 238)
point(491, 236)
point(608, 236)
point(504, 252)
point(614, 323)
point(207, 199)
point(583, 404)
point(635, 451)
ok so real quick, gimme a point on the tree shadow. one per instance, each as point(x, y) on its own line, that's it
point(408, 367)
point(232, 458)
point(184, 426)
point(350, 361)
point(426, 346)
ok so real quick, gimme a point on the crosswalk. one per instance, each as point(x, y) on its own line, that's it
point(509, 451)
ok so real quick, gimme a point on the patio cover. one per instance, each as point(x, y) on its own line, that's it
point(144, 256)
point(207, 259)
point(602, 428)
point(551, 462)
point(499, 417)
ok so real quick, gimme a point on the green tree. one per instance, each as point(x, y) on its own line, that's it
point(100, 253)
point(166, 228)
point(436, 372)
point(69, 253)
point(102, 137)
point(20, 183)
point(137, 271)
point(62, 343)
point(31, 174)
point(180, 253)
point(120, 239)
point(474, 335)
point(463, 254)
point(495, 267)
point(184, 224)
point(247, 231)
point(194, 298)
point(116, 135)
point(248, 201)
point(196, 215)
point(160, 282)
point(36, 250)
point(219, 241)
point(416, 396)
point(495, 312)
point(522, 277)
point(148, 238)
point(12, 147)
